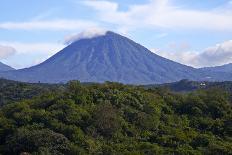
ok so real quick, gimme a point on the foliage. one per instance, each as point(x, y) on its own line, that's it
point(112, 118)
point(11, 91)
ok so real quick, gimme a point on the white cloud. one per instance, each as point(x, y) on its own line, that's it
point(59, 24)
point(216, 55)
point(102, 5)
point(87, 34)
point(184, 57)
point(22, 48)
point(164, 14)
point(213, 56)
point(29, 54)
point(6, 51)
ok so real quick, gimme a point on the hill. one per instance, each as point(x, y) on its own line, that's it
point(223, 69)
point(13, 91)
point(110, 118)
point(188, 86)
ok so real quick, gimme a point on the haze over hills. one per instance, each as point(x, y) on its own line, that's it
point(224, 68)
point(110, 57)
point(4, 67)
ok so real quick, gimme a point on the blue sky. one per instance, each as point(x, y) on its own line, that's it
point(196, 33)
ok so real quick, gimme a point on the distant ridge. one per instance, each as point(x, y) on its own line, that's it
point(109, 57)
point(188, 86)
point(227, 68)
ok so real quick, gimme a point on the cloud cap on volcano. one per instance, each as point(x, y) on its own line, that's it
point(87, 34)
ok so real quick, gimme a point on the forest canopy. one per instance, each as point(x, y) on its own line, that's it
point(113, 118)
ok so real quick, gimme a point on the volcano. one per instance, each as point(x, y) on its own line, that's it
point(109, 57)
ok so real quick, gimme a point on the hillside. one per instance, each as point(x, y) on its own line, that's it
point(4, 67)
point(188, 86)
point(227, 68)
point(12, 91)
point(110, 118)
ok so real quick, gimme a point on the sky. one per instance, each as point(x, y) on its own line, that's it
point(192, 32)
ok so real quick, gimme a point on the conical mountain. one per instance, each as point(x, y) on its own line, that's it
point(109, 57)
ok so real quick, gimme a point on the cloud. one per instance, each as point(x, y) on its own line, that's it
point(6, 51)
point(54, 25)
point(184, 57)
point(163, 14)
point(24, 48)
point(87, 34)
point(32, 53)
point(102, 5)
point(216, 55)
point(29, 54)
point(219, 54)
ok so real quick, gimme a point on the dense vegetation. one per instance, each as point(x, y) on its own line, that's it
point(187, 86)
point(12, 91)
point(112, 118)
